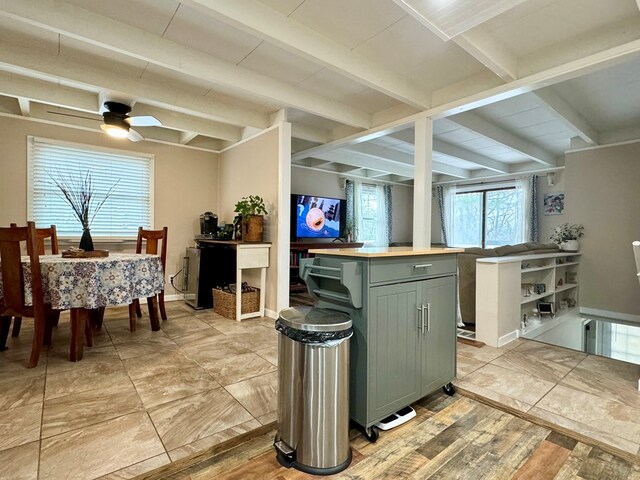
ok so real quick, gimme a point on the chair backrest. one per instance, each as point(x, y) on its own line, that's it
point(152, 238)
point(636, 253)
point(42, 234)
point(13, 302)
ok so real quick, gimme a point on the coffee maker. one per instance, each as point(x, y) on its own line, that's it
point(208, 224)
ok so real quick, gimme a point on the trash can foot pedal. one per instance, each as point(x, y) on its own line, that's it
point(395, 419)
point(285, 455)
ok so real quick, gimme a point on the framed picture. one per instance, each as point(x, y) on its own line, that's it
point(553, 203)
point(546, 308)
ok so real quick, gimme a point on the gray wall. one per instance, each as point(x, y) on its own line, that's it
point(602, 191)
point(313, 182)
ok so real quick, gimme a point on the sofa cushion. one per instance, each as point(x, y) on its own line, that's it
point(484, 252)
point(506, 250)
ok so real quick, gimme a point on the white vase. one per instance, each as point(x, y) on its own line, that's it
point(570, 246)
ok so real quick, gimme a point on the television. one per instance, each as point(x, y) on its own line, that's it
point(316, 217)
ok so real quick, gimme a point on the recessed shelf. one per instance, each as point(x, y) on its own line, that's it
point(566, 286)
point(568, 264)
point(535, 297)
point(537, 269)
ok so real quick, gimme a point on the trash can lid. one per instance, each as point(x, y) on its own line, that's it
point(313, 319)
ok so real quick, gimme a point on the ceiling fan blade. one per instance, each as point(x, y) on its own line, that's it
point(134, 136)
point(144, 121)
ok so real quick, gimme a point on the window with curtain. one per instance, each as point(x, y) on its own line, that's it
point(487, 217)
point(371, 215)
point(130, 203)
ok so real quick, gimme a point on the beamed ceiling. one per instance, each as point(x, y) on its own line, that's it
point(511, 85)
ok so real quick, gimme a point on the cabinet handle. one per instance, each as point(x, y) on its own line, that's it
point(421, 318)
point(424, 265)
point(428, 308)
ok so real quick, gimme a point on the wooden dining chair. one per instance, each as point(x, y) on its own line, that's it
point(12, 302)
point(152, 239)
point(42, 234)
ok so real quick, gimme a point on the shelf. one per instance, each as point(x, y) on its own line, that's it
point(566, 286)
point(537, 269)
point(568, 264)
point(534, 298)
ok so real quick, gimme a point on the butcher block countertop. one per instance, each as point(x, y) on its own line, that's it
point(375, 252)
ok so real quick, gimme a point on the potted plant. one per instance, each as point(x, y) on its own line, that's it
point(567, 236)
point(251, 209)
point(348, 231)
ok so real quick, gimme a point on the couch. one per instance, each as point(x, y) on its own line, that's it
point(467, 271)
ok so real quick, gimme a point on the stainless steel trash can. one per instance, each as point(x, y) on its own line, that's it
point(313, 390)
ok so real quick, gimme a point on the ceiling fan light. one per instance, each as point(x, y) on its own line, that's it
point(115, 131)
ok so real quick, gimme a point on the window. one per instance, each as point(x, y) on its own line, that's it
point(372, 220)
point(129, 206)
point(369, 209)
point(487, 218)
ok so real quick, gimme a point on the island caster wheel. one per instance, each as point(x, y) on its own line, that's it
point(371, 434)
point(449, 389)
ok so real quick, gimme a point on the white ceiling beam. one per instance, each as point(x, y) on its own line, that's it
point(46, 92)
point(25, 106)
point(80, 24)
point(557, 105)
point(471, 100)
point(311, 134)
point(180, 121)
point(448, 19)
point(455, 151)
point(356, 159)
point(22, 61)
point(263, 22)
point(482, 127)
point(481, 45)
point(186, 137)
point(377, 153)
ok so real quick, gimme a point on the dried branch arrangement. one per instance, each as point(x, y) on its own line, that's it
point(78, 191)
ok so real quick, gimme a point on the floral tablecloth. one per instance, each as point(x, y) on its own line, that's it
point(96, 282)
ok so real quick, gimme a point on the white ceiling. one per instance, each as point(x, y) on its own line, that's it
point(511, 84)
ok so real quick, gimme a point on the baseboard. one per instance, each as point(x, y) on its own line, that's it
point(508, 338)
point(627, 317)
point(173, 298)
point(270, 314)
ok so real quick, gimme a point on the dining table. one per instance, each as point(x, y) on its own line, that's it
point(85, 286)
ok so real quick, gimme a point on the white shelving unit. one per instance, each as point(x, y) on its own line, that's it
point(506, 291)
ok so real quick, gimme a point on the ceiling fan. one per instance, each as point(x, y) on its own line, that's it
point(118, 123)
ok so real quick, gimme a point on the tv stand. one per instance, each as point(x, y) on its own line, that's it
point(300, 250)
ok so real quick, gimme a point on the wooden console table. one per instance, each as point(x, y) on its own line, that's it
point(248, 255)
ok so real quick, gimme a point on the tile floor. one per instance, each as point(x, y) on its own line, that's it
point(137, 400)
point(593, 396)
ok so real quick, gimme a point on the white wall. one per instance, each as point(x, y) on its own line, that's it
point(314, 182)
point(252, 168)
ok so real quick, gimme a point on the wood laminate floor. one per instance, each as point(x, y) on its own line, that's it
point(450, 438)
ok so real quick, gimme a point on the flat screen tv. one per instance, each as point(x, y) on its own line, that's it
point(316, 217)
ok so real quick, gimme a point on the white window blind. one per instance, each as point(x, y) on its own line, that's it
point(130, 203)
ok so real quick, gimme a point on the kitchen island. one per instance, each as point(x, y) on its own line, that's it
point(402, 302)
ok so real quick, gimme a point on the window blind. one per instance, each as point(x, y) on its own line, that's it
point(130, 203)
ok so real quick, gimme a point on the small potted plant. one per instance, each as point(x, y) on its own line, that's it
point(567, 236)
point(251, 209)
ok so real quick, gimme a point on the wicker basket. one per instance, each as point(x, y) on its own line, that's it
point(224, 303)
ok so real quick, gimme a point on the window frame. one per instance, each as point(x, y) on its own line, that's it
point(149, 157)
point(475, 189)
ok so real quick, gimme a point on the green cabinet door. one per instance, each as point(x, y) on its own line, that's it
point(438, 296)
point(394, 346)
